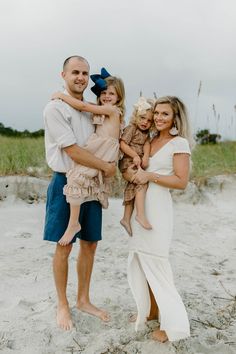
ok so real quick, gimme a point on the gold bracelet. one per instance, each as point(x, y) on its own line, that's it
point(156, 179)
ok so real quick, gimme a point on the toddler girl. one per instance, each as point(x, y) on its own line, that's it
point(135, 144)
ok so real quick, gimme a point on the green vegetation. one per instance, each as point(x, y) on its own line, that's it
point(22, 156)
point(210, 160)
point(26, 156)
point(8, 131)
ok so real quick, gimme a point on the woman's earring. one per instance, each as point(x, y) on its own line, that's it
point(174, 131)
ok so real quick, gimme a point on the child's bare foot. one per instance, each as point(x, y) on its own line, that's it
point(159, 336)
point(143, 222)
point(94, 311)
point(69, 234)
point(127, 226)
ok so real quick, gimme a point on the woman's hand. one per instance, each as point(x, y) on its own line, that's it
point(56, 95)
point(141, 176)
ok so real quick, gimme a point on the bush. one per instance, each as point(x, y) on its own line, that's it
point(205, 137)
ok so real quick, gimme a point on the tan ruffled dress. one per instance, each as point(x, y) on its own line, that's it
point(135, 138)
point(86, 184)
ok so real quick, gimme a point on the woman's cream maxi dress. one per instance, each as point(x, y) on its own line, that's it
point(148, 261)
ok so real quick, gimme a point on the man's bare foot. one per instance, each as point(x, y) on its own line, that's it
point(69, 234)
point(159, 336)
point(94, 311)
point(143, 222)
point(127, 227)
point(64, 318)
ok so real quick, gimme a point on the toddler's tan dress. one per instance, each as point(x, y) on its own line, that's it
point(135, 138)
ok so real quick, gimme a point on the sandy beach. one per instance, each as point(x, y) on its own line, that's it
point(203, 258)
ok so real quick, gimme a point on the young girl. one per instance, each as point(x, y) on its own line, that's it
point(135, 144)
point(84, 183)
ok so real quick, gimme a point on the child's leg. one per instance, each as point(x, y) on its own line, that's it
point(73, 225)
point(140, 208)
point(125, 221)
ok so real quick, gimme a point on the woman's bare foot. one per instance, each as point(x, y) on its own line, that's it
point(159, 336)
point(64, 320)
point(152, 317)
point(94, 311)
point(127, 226)
point(143, 222)
point(70, 232)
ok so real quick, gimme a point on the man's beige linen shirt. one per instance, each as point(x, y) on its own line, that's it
point(64, 126)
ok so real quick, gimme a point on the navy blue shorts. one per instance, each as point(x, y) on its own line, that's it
point(58, 213)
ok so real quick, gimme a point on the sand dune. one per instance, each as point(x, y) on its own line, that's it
point(203, 257)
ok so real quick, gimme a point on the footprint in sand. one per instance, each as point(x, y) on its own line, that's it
point(17, 302)
point(5, 342)
point(24, 235)
point(9, 303)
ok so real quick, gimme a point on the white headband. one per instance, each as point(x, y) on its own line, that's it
point(142, 105)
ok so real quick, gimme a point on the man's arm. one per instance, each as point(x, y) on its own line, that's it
point(84, 157)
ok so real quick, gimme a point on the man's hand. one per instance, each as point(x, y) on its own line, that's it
point(110, 169)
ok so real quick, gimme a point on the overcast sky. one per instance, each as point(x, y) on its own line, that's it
point(162, 46)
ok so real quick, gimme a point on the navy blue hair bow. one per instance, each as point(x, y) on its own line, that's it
point(100, 83)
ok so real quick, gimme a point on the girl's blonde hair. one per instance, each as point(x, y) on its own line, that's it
point(181, 119)
point(140, 108)
point(120, 90)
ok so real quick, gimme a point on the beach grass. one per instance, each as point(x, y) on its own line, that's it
point(26, 156)
point(22, 156)
point(213, 159)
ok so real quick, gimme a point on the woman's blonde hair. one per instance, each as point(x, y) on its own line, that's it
point(181, 119)
point(120, 90)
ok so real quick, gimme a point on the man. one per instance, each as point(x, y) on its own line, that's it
point(66, 132)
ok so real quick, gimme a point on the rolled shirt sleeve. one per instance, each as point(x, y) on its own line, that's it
point(64, 126)
point(58, 126)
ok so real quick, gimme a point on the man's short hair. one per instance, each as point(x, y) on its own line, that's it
point(74, 56)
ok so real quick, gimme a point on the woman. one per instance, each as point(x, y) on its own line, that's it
point(149, 272)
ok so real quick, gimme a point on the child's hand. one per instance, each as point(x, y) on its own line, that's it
point(145, 162)
point(137, 161)
point(56, 95)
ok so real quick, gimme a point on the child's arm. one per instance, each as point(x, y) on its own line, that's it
point(146, 154)
point(107, 110)
point(125, 148)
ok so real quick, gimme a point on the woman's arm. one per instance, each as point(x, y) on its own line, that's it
point(178, 180)
point(107, 110)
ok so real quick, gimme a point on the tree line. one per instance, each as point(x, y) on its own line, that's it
point(8, 131)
